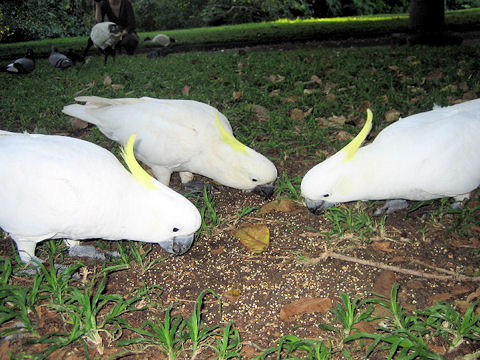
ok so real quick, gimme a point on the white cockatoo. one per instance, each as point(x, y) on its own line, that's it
point(180, 135)
point(60, 187)
point(425, 156)
point(105, 36)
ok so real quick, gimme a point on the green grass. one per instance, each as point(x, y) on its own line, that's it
point(284, 30)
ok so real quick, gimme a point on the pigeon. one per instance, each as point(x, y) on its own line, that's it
point(59, 60)
point(24, 65)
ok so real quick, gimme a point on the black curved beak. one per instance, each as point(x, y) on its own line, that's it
point(265, 190)
point(317, 207)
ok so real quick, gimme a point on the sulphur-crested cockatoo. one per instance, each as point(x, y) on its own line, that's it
point(421, 157)
point(180, 135)
point(106, 37)
point(60, 187)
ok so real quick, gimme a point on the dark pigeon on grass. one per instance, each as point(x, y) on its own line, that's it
point(74, 56)
point(24, 65)
point(59, 60)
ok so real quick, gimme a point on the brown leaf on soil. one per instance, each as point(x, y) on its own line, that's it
point(275, 78)
point(218, 250)
point(186, 90)
point(305, 306)
point(297, 114)
point(435, 75)
point(330, 97)
point(471, 243)
point(383, 246)
point(248, 352)
point(310, 91)
point(339, 120)
point(469, 95)
point(415, 284)
point(439, 297)
point(282, 205)
point(275, 92)
point(461, 289)
point(107, 80)
point(78, 124)
point(254, 238)
point(262, 112)
point(392, 115)
point(384, 282)
point(237, 95)
point(343, 135)
point(117, 87)
point(316, 79)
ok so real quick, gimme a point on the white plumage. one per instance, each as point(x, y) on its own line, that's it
point(105, 36)
point(161, 39)
point(180, 135)
point(60, 187)
point(421, 157)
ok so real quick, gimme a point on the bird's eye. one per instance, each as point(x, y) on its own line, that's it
point(175, 229)
point(254, 180)
point(326, 195)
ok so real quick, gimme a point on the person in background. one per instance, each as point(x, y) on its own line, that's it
point(121, 13)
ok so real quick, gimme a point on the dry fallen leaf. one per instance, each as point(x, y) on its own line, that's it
point(316, 79)
point(275, 78)
point(237, 95)
point(384, 282)
point(254, 238)
point(262, 112)
point(439, 297)
point(186, 90)
point(117, 87)
point(383, 246)
point(340, 120)
point(282, 205)
point(297, 114)
point(107, 80)
point(392, 115)
point(78, 124)
point(305, 306)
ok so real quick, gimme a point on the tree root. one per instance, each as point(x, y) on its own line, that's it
point(450, 277)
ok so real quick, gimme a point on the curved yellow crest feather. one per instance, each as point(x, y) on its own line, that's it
point(228, 138)
point(352, 147)
point(137, 171)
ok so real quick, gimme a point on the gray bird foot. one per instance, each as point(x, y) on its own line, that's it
point(391, 206)
point(192, 186)
point(90, 252)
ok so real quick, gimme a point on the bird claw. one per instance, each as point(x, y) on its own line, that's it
point(90, 252)
point(391, 206)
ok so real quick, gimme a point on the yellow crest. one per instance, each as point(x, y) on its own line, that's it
point(228, 138)
point(352, 147)
point(137, 171)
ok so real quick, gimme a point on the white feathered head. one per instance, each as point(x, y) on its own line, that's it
point(241, 167)
point(163, 216)
point(330, 182)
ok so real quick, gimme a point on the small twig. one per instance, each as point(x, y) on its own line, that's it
point(456, 277)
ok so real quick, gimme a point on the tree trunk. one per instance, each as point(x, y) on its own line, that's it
point(427, 24)
point(427, 16)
